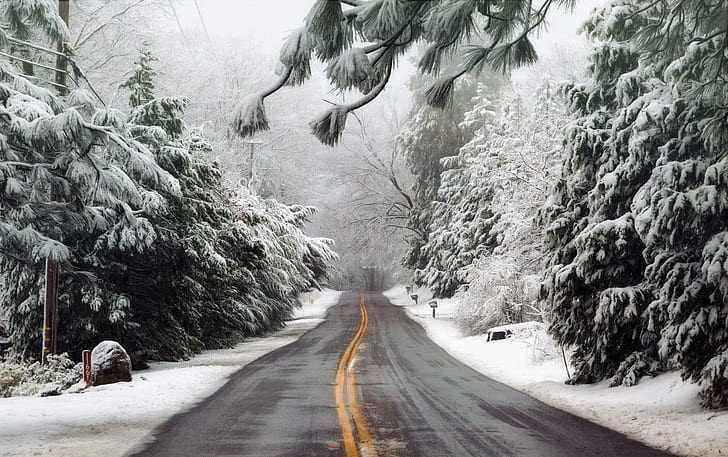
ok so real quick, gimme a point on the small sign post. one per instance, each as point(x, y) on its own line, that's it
point(433, 305)
point(86, 355)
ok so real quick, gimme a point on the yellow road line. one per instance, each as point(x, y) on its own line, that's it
point(347, 431)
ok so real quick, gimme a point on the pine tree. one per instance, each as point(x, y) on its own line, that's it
point(462, 218)
point(428, 136)
point(141, 81)
point(637, 224)
point(71, 177)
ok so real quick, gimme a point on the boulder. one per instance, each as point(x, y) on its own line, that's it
point(109, 364)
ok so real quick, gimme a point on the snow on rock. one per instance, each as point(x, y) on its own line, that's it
point(109, 364)
point(110, 420)
point(663, 412)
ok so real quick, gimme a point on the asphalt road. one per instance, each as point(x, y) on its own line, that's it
point(401, 396)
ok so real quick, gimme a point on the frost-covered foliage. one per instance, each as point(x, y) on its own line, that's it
point(483, 232)
point(71, 177)
point(459, 231)
point(141, 81)
point(427, 137)
point(151, 253)
point(212, 275)
point(18, 377)
point(361, 41)
point(519, 160)
point(637, 225)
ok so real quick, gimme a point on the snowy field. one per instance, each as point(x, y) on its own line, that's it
point(110, 420)
point(662, 411)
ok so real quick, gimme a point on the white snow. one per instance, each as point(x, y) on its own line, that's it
point(663, 412)
point(110, 420)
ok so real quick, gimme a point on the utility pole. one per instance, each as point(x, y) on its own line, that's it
point(251, 163)
point(52, 270)
point(64, 10)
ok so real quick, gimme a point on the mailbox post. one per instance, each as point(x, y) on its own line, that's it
point(86, 357)
point(433, 305)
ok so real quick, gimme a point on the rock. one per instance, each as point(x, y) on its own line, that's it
point(109, 364)
point(50, 390)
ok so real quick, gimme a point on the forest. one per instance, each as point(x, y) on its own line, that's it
point(593, 198)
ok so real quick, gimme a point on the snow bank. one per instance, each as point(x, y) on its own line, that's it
point(663, 412)
point(109, 420)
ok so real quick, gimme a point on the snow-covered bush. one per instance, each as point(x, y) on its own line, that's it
point(19, 378)
point(499, 294)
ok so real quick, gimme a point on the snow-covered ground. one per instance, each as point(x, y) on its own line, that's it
point(663, 411)
point(110, 420)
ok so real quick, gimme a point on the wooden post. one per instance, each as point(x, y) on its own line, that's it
point(86, 356)
point(64, 10)
point(566, 364)
point(50, 308)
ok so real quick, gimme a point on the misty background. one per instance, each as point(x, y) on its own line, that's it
point(214, 52)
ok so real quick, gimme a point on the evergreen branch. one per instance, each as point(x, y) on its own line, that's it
point(250, 116)
point(329, 127)
point(440, 93)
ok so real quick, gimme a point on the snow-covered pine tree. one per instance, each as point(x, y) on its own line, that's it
point(70, 177)
point(141, 80)
point(638, 221)
point(208, 279)
point(428, 136)
point(459, 231)
point(386, 30)
point(289, 262)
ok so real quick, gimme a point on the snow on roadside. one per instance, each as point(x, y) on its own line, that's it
point(110, 420)
point(663, 412)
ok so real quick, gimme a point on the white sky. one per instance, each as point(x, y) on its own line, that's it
point(268, 21)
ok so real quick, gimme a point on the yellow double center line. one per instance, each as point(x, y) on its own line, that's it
point(347, 431)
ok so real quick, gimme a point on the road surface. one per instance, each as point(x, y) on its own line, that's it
point(368, 382)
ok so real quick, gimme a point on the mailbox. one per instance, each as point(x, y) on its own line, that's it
point(414, 297)
point(433, 304)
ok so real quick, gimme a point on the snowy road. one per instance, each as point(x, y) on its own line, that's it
point(415, 398)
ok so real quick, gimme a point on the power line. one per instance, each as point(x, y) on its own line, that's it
point(179, 25)
point(202, 20)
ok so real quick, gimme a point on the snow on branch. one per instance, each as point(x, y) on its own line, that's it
point(329, 127)
point(250, 114)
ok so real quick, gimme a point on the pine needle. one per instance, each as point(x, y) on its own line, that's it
point(350, 69)
point(250, 116)
point(440, 94)
point(329, 127)
point(296, 54)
